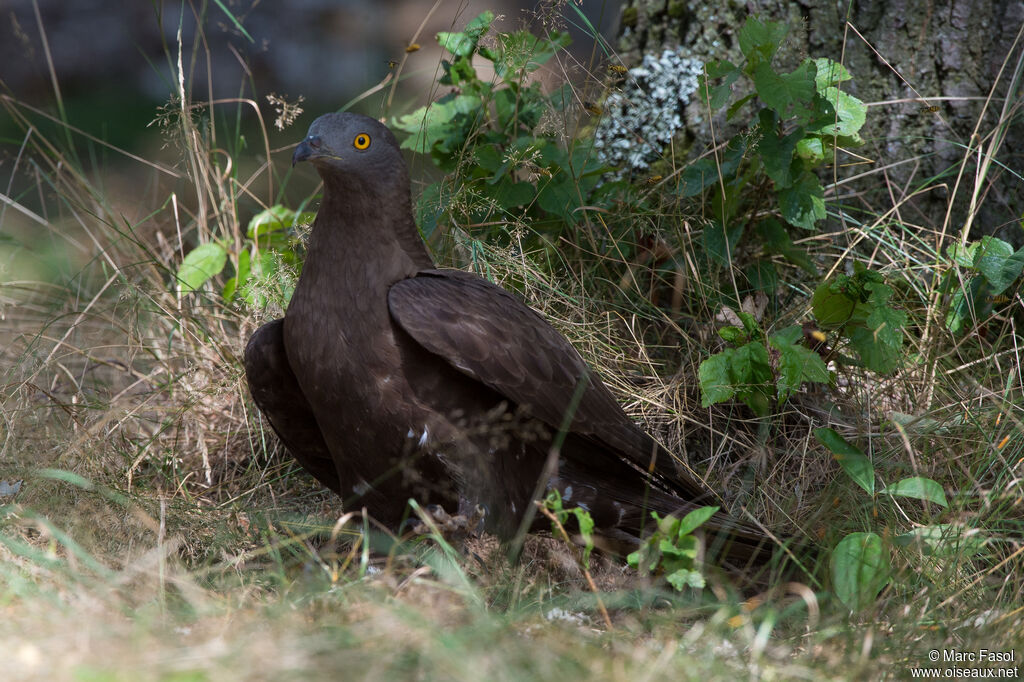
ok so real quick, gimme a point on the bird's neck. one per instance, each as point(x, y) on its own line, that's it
point(367, 234)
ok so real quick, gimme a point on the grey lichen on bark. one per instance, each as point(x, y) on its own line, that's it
point(906, 56)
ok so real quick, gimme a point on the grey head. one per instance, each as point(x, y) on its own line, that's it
point(353, 147)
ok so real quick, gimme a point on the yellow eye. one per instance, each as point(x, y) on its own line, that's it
point(362, 141)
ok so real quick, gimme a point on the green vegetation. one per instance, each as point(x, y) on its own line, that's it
point(834, 373)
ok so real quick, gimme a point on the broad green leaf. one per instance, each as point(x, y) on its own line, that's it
point(860, 569)
point(919, 488)
point(791, 95)
point(682, 578)
point(963, 255)
point(831, 304)
point(462, 43)
point(762, 276)
point(849, 118)
point(430, 206)
point(715, 382)
point(435, 125)
point(777, 240)
point(944, 540)
point(760, 40)
point(719, 94)
point(241, 275)
point(999, 263)
point(853, 461)
point(720, 243)
point(803, 204)
point(777, 152)
point(968, 304)
point(797, 365)
point(811, 150)
point(277, 217)
point(735, 335)
point(694, 520)
point(509, 194)
point(200, 265)
point(880, 343)
point(829, 73)
point(523, 51)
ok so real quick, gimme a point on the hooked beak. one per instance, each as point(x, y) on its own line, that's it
point(305, 151)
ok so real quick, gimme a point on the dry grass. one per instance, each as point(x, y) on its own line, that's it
point(160, 534)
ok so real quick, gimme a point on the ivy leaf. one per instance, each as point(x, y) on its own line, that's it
point(854, 462)
point(200, 265)
point(860, 569)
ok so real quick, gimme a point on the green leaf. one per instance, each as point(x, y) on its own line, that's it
point(944, 540)
point(719, 243)
point(811, 150)
point(777, 152)
point(777, 240)
point(200, 265)
point(437, 125)
point(760, 40)
point(854, 462)
point(829, 73)
point(735, 335)
point(715, 382)
point(683, 578)
point(969, 304)
point(695, 519)
point(524, 52)
point(791, 95)
point(509, 194)
point(797, 364)
point(832, 304)
point(849, 118)
point(718, 94)
point(880, 342)
point(275, 218)
point(463, 43)
point(860, 569)
point(803, 204)
point(920, 488)
point(963, 255)
point(996, 260)
point(430, 206)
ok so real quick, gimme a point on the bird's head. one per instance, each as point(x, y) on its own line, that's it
point(353, 146)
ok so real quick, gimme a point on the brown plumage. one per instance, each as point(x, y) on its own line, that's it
point(389, 379)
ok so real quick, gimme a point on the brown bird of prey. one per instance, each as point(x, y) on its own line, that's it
point(389, 378)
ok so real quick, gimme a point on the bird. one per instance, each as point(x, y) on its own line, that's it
point(390, 378)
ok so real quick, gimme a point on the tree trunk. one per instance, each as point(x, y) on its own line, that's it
point(927, 66)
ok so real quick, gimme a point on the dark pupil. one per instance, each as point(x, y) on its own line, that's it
point(362, 140)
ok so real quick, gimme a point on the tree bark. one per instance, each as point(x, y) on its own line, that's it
point(907, 57)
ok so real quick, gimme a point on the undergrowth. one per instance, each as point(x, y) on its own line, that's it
point(869, 403)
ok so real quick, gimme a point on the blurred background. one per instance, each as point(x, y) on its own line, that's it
point(114, 63)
